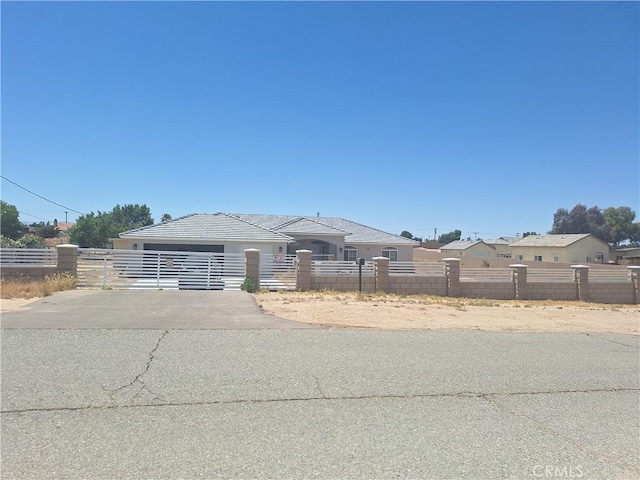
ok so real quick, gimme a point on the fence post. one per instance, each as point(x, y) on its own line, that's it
point(303, 270)
point(252, 265)
point(67, 258)
point(381, 272)
point(452, 272)
point(634, 276)
point(581, 278)
point(519, 279)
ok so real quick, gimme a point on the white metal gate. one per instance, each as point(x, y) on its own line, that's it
point(133, 269)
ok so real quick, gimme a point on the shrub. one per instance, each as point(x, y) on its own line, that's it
point(249, 286)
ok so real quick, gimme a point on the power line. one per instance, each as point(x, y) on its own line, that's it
point(39, 196)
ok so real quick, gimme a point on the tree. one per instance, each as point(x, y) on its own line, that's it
point(166, 217)
point(613, 225)
point(406, 234)
point(131, 216)
point(619, 226)
point(526, 234)
point(450, 237)
point(93, 230)
point(10, 224)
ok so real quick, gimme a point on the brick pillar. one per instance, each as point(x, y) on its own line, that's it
point(519, 279)
point(252, 265)
point(452, 272)
point(67, 259)
point(581, 277)
point(381, 268)
point(303, 270)
point(634, 276)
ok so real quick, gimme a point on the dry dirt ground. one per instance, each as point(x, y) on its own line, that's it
point(438, 313)
point(445, 313)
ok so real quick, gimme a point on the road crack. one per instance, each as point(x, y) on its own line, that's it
point(142, 389)
point(492, 399)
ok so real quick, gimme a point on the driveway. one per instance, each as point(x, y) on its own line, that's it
point(282, 402)
point(145, 309)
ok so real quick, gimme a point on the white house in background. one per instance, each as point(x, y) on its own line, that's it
point(502, 245)
point(327, 237)
point(468, 248)
point(563, 248)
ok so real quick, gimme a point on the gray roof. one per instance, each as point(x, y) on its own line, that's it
point(309, 226)
point(354, 232)
point(462, 244)
point(203, 226)
point(558, 240)
point(501, 240)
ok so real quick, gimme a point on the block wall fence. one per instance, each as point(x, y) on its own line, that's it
point(67, 262)
point(447, 284)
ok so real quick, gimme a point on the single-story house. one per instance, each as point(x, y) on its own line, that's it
point(328, 238)
point(502, 245)
point(563, 248)
point(626, 255)
point(468, 248)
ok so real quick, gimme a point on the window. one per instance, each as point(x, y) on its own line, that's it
point(537, 258)
point(350, 254)
point(520, 257)
point(589, 259)
point(391, 253)
point(556, 258)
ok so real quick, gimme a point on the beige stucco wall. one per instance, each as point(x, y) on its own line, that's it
point(577, 252)
point(229, 247)
point(477, 250)
point(368, 251)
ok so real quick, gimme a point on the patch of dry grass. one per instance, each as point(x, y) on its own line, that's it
point(459, 303)
point(37, 288)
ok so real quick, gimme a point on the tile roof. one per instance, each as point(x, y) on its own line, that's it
point(223, 226)
point(558, 240)
point(354, 232)
point(203, 226)
point(462, 244)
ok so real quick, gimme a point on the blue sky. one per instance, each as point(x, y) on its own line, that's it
point(482, 116)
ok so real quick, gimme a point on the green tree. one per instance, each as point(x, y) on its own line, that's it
point(10, 224)
point(95, 231)
point(619, 225)
point(526, 234)
point(613, 225)
point(92, 230)
point(406, 234)
point(166, 217)
point(31, 241)
point(128, 217)
point(450, 237)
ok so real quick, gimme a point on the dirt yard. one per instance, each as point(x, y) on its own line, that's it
point(437, 313)
point(444, 313)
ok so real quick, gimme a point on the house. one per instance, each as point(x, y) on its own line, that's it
point(502, 245)
point(563, 248)
point(468, 248)
point(327, 237)
point(626, 255)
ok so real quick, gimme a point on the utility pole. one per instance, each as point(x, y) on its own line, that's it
point(435, 233)
point(475, 235)
point(65, 217)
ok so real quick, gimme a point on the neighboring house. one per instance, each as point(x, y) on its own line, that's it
point(502, 245)
point(627, 255)
point(326, 237)
point(563, 248)
point(468, 248)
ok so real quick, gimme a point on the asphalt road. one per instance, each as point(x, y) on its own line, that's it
point(261, 399)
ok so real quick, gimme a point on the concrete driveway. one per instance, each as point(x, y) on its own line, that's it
point(283, 402)
point(143, 309)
